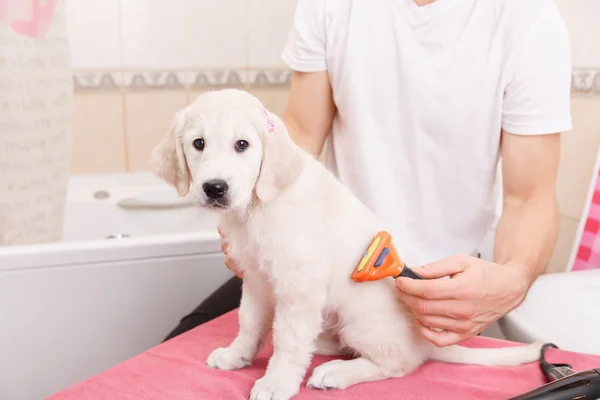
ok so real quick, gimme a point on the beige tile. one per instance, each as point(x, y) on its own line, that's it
point(562, 250)
point(98, 143)
point(153, 34)
point(93, 31)
point(193, 95)
point(216, 33)
point(581, 19)
point(275, 99)
point(149, 115)
point(267, 40)
point(578, 155)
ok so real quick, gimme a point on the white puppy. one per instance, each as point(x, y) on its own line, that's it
point(297, 234)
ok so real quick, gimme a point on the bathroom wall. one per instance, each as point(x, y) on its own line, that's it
point(580, 146)
point(137, 61)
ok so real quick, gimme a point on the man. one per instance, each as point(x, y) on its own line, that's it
point(421, 99)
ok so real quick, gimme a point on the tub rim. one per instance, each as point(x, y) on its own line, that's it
point(98, 251)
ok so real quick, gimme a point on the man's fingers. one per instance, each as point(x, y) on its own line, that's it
point(440, 338)
point(442, 268)
point(445, 323)
point(224, 246)
point(231, 264)
point(437, 289)
point(454, 309)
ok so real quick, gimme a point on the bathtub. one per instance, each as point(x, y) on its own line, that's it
point(132, 262)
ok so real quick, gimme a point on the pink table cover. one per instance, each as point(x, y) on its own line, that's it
point(175, 370)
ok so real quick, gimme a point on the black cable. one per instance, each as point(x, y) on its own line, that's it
point(545, 365)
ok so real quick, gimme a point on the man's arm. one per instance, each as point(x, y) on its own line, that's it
point(527, 231)
point(536, 104)
point(480, 291)
point(310, 110)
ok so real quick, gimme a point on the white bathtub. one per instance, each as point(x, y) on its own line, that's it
point(72, 309)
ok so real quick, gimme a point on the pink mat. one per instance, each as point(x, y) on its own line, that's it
point(175, 371)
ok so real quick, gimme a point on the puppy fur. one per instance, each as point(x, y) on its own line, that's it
point(297, 233)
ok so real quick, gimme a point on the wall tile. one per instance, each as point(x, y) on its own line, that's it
point(215, 35)
point(193, 95)
point(149, 115)
point(94, 30)
point(562, 250)
point(274, 99)
point(578, 155)
point(581, 18)
point(98, 143)
point(153, 34)
point(268, 23)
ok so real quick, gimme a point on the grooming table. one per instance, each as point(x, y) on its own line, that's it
point(175, 370)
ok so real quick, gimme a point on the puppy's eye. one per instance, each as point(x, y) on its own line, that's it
point(241, 145)
point(199, 144)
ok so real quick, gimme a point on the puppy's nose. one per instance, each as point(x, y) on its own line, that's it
point(215, 189)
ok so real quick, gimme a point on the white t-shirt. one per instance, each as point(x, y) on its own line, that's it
point(422, 94)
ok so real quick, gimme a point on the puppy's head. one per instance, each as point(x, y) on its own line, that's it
point(225, 151)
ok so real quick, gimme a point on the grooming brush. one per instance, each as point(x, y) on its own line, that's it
point(380, 261)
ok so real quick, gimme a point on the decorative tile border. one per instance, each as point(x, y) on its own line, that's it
point(205, 79)
point(582, 80)
point(270, 78)
point(101, 81)
point(153, 80)
point(586, 80)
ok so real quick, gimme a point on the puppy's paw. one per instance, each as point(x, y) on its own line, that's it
point(267, 388)
point(227, 359)
point(331, 375)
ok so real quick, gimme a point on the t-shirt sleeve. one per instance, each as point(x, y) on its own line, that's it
point(304, 50)
point(537, 96)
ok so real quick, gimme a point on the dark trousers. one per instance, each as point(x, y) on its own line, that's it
point(224, 299)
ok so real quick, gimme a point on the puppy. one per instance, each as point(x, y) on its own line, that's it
point(297, 234)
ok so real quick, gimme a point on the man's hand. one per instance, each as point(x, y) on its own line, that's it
point(229, 262)
point(479, 292)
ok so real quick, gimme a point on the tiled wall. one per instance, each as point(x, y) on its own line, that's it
point(578, 155)
point(579, 147)
point(581, 17)
point(138, 61)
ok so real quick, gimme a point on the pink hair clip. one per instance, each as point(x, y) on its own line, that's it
point(270, 124)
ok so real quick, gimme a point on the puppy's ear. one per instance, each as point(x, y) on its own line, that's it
point(282, 160)
point(168, 159)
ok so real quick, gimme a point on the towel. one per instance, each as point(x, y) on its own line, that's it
point(586, 252)
point(175, 370)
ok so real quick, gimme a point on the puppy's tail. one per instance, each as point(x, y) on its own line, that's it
point(504, 356)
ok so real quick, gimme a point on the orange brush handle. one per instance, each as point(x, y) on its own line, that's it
point(380, 261)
